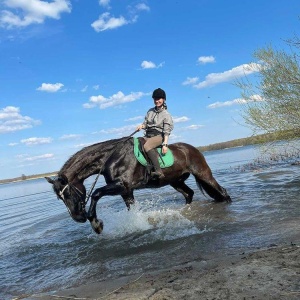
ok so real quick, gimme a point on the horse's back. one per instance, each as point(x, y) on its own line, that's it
point(189, 154)
point(185, 148)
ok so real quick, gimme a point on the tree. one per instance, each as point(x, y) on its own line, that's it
point(272, 101)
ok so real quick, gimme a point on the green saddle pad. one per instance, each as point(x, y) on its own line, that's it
point(168, 158)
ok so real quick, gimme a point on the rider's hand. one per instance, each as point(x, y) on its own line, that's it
point(164, 149)
point(140, 127)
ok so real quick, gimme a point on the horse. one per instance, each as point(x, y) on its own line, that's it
point(123, 173)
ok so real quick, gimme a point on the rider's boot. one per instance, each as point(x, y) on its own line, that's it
point(152, 154)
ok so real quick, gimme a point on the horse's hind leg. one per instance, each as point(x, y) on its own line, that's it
point(207, 182)
point(182, 188)
point(212, 187)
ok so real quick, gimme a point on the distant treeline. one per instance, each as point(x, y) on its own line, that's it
point(258, 139)
point(253, 140)
point(29, 177)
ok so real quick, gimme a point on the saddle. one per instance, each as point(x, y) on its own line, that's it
point(165, 160)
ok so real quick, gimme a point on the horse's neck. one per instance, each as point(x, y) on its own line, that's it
point(87, 162)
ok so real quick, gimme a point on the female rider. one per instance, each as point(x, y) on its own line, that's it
point(158, 125)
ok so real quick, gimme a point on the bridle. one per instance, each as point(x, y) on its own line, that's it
point(77, 192)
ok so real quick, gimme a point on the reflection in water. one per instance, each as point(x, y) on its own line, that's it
point(45, 250)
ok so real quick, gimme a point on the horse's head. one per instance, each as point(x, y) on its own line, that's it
point(73, 196)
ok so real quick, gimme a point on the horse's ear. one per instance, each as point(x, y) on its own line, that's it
point(64, 179)
point(49, 180)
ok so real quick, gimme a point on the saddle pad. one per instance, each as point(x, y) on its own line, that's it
point(168, 158)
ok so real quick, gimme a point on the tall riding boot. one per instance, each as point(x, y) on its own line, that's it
point(152, 154)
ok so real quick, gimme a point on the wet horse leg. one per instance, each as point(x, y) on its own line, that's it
point(212, 187)
point(182, 188)
point(128, 199)
point(112, 189)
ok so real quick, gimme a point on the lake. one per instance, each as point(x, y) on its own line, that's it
point(43, 250)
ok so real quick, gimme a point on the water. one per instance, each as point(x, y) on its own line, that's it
point(42, 249)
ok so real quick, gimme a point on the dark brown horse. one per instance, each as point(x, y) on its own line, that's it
point(115, 160)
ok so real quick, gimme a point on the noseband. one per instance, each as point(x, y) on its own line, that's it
point(77, 192)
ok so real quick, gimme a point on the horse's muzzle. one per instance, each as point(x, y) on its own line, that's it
point(79, 217)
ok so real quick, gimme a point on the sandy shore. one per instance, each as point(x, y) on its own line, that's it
point(272, 273)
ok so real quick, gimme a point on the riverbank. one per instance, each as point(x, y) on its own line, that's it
point(271, 273)
point(30, 177)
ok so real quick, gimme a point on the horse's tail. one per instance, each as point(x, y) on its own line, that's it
point(200, 187)
point(205, 180)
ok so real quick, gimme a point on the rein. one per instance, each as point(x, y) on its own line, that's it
point(97, 177)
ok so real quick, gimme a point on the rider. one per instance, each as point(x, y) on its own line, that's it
point(158, 125)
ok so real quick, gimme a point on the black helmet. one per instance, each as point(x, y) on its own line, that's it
point(159, 93)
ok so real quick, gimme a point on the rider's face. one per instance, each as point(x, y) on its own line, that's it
point(158, 102)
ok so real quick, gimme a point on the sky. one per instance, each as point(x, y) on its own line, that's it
point(77, 72)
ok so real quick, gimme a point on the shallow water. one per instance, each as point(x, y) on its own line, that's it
point(42, 249)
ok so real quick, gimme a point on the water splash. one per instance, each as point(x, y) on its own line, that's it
point(148, 222)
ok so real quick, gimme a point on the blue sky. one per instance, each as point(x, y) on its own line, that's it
point(77, 72)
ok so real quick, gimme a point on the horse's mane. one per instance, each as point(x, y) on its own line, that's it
point(88, 153)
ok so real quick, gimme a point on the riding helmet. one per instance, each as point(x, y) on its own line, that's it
point(159, 93)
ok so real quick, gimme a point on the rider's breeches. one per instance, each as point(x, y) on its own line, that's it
point(153, 142)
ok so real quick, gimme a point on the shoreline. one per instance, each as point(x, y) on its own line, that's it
point(268, 273)
point(27, 178)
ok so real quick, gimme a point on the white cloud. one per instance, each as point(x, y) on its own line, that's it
point(190, 80)
point(39, 157)
point(114, 100)
point(50, 87)
point(234, 73)
point(142, 6)
point(256, 98)
point(36, 141)
point(22, 13)
point(193, 127)
point(122, 131)
point(22, 156)
point(11, 120)
point(180, 119)
point(96, 87)
point(80, 146)
point(84, 89)
point(104, 3)
point(108, 22)
point(150, 65)
point(70, 136)
point(253, 98)
point(206, 59)
point(134, 119)
point(105, 22)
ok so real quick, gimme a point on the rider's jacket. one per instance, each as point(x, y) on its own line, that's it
point(158, 121)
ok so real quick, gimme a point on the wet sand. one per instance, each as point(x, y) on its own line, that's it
point(271, 273)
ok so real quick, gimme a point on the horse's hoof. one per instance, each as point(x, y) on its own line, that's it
point(97, 225)
point(228, 199)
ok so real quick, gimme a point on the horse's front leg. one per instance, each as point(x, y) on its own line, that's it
point(112, 189)
point(96, 224)
point(128, 199)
